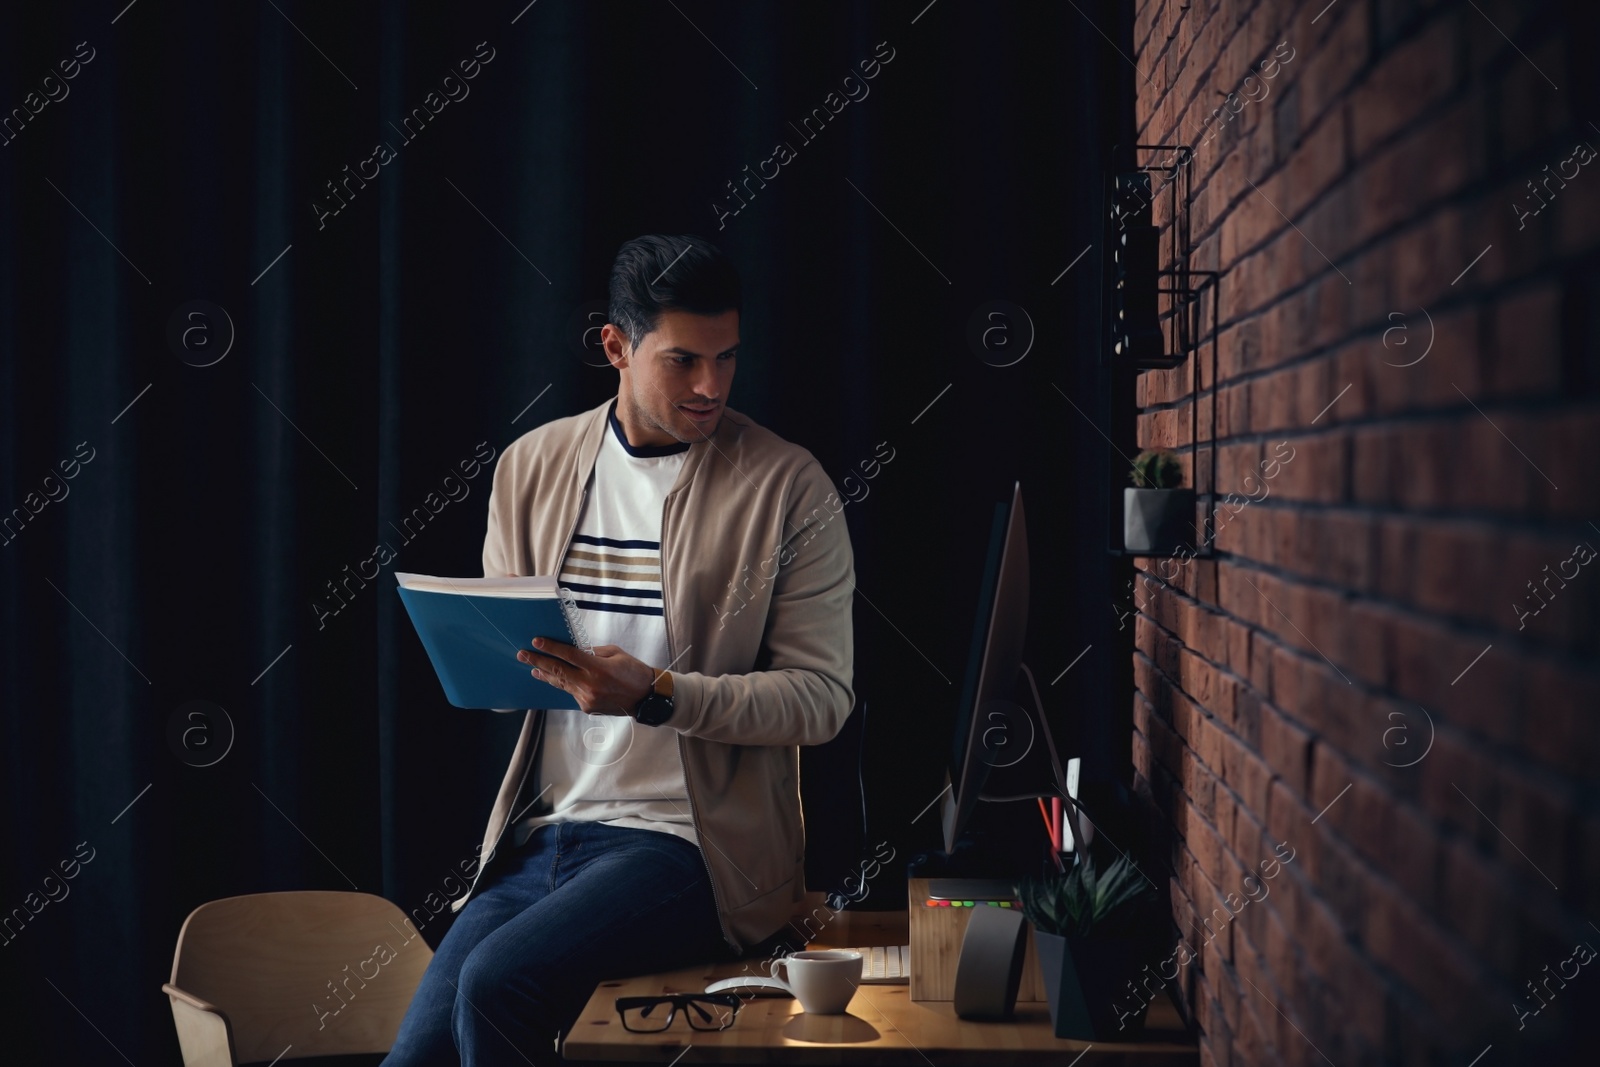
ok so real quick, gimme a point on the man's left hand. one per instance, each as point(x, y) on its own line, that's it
point(606, 682)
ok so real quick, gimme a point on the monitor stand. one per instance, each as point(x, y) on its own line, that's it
point(1023, 764)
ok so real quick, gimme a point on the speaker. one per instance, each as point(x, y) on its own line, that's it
point(989, 969)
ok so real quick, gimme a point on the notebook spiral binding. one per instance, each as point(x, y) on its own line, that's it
point(574, 617)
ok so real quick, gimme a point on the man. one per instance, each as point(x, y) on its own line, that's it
point(660, 826)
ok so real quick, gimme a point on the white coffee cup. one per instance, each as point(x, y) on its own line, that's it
point(822, 980)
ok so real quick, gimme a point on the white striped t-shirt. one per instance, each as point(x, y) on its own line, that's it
point(608, 768)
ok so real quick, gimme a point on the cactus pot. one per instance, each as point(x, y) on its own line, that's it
point(1156, 521)
point(1087, 983)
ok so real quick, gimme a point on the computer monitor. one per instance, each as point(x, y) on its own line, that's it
point(1001, 736)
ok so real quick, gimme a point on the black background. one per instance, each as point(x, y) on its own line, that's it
point(414, 325)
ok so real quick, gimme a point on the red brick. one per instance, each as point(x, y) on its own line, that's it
point(1475, 902)
point(1428, 358)
point(1252, 844)
point(1408, 850)
point(1454, 551)
point(1233, 528)
point(1303, 616)
point(1246, 774)
point(1407, 941)
point(1258, 666)
point(1458, 787)
point(1525, 358)
point(1364, 646)
point(1332, 956)
point(1285, 666)
point(1203, 735)
point(1239, 350)
point(1514, 469)
point(1525, 106)
point(1429, 662)
point(1341, 799)
point(1330, 66)
point(1534, 821)
point(1327, 704)
point(1371, 467)
point(1166, 747)
point(1529, 580)
point(1203, 633)
point(1231, 815)
point(1424, 255)
point(1392, 190)
point(1204, 842)
point(1198, 783)
point(1252, 1039)
point(1355, 371)
point(1346, 545)
point(1564, 734)
point(1251, 223)
point(1568, 437)
point(1143, 763)
point(1289, 824)
point(1238, 654)
point(1208, 686)
point(1318, 161)
point(1286, 749)
point(1406, 83)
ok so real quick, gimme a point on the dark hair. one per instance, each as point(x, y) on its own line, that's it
point(657, 273)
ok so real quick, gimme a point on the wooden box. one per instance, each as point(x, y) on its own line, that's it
point(936, 935)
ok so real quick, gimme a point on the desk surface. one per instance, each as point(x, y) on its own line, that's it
point(883, 1025)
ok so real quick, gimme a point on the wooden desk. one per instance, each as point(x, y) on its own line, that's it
point(883, 1026)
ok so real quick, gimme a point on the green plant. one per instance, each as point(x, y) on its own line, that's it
point(1084, 901)
point(1156, 468)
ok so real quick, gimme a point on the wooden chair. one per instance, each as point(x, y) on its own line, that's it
point(292, 975)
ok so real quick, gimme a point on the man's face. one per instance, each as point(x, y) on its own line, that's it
point(675, 383)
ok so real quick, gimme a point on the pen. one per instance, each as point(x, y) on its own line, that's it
point(1049, 827)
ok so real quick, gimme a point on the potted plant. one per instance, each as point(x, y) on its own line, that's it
point(1157, 513)
point(1093, 934)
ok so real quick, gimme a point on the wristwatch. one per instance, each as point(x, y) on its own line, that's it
point(656, 707)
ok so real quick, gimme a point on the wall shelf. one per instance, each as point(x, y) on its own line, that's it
point(1179, 293)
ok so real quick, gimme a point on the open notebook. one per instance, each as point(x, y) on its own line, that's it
point(473, 628)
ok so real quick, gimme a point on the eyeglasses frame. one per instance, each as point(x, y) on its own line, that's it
point(674, 1002)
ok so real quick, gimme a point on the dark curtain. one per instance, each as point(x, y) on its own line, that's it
point(383, 329)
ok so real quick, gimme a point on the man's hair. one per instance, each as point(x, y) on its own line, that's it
point(657, 273)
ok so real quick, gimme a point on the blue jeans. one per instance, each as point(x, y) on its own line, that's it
point(578, 903)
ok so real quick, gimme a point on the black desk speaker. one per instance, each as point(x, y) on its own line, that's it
point(989, 969)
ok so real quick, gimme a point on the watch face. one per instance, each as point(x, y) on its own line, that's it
point(654, 710)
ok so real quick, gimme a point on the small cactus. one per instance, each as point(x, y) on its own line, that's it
point(1156, 468)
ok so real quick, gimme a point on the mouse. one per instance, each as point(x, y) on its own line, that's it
point(751, 985)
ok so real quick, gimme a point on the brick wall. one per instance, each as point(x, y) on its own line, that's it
point(1347, 678)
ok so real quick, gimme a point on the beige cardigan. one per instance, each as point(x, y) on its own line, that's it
point(757, 580)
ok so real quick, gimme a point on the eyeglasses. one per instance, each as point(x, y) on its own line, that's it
point(705, 1011)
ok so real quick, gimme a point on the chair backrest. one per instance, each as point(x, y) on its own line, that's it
point(833, 804)
point(322, 972)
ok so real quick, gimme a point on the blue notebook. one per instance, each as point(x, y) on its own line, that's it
point(473, 628)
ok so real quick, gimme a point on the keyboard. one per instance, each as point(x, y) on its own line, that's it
point(885, 964)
